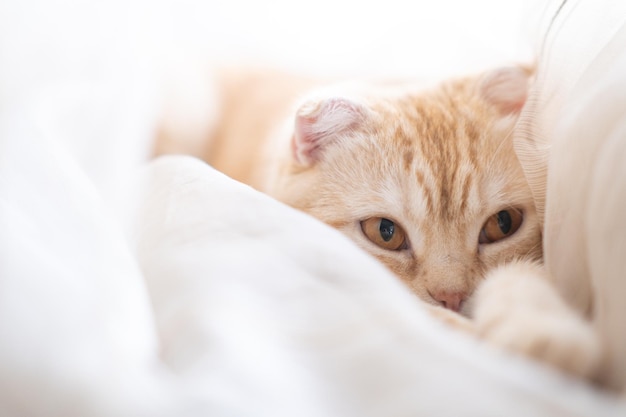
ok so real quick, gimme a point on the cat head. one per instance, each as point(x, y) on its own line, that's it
point(426, 181)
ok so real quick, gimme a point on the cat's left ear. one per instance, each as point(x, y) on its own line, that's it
point(507, 88)
point(319, 123)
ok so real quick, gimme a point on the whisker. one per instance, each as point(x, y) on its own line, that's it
point(495, 155)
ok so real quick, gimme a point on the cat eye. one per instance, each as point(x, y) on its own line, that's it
point(384, 233)
point(502, 224)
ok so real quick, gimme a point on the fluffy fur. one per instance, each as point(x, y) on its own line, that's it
point(436, 161)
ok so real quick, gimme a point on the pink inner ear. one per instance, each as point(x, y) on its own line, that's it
point(507, 89)
point(319, 124)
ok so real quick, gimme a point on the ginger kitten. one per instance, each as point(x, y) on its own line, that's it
point(424, 178)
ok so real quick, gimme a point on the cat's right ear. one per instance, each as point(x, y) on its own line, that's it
point(507, 88)
point(319, 123)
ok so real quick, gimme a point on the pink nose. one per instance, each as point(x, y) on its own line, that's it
point(451, 300)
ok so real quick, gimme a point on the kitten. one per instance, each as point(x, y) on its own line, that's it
point(424, 178)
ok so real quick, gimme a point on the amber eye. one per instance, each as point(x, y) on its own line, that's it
point(384, 233)
point(502, 224)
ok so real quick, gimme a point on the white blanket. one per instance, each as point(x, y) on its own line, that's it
point(167, 289)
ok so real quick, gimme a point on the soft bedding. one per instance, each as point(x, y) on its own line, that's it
point(131, 287)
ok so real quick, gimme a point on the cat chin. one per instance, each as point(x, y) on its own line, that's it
point(451, 319)
point(467, 307)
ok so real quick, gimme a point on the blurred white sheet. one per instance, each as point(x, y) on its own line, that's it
point(272, 306)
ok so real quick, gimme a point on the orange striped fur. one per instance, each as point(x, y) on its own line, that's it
point(438, 160)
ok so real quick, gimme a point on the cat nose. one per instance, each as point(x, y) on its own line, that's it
point(451, 300)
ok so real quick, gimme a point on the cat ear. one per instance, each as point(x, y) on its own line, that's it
point(321, 122)
point(507, 88)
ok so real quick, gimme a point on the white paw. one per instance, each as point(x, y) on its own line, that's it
point(518, 310)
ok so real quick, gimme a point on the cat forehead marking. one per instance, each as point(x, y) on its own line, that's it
point(439, 142)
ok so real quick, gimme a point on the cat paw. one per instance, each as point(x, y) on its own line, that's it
point(518, 310)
